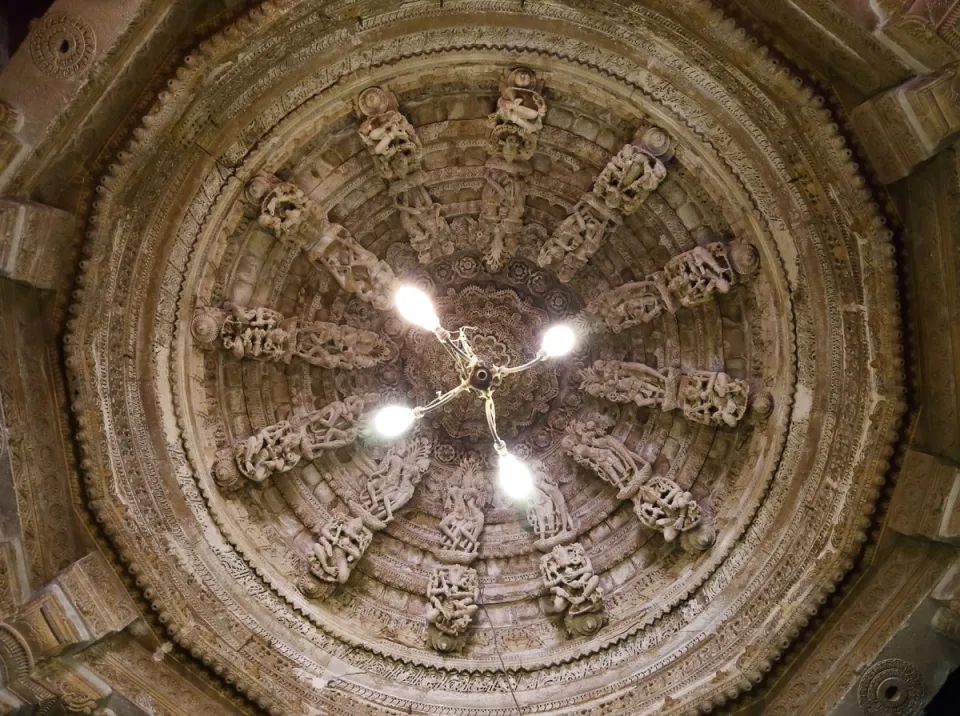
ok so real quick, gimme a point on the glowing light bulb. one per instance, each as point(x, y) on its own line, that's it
point(557, 341)
point(515, 478)
point(393, 420)
point(415, 306)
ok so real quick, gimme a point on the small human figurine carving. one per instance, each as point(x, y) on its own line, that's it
point(694, 276)
point(589, 444)
point(517, 123)
point(623, 307)
point(575, 589)
point(629, 178)
point(340, 545)
point(502, 204)
point(353, 267)
point(463, 518)
point(282, 209)
point(452, 596)
point(276, 448)
point(392, 485)
point(334, 426)
point(257, 333)
point(343, 347)
point(623, 382)
point(394, 144)
point(714, 398)
point(577, 238)
point(548, 513)
point(663, 506)
point(420, 216)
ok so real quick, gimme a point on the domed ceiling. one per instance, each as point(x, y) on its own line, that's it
point(705, 460)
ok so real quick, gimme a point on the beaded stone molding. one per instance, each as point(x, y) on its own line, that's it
point(706, 461)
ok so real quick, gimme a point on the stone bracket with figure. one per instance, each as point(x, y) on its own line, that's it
point(397, 155)
point(517, 122)
point(297, 221)
point(282, 446)
point(574, 589)
point(467, 494)
point(687, 280)
point(706, 397)
point(264, 334)
point(619, 190)
point(659, 503)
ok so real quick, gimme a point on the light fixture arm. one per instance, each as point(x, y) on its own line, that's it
point(441, 399)
point(491, 411)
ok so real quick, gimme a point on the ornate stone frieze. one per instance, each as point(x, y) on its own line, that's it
point(513, 142)
point(467, 494)
point(635, 171)
point(578, 237)
point(574, 588)
point(280, 447)
point(713, 398)
point(452, 602)
point(264, 334)
point(589, 443)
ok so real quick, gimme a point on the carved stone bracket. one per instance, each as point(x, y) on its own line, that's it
point(548, 514)
point(397, 152)
point(340, 544)
point(280, 447)
point(706, 397)
point(34, 239)
point(513, 142)
point(620, 189)
point(468, 493)
point(687, 280)
point(452, 601)
point(662, 505)
point(574, 588)
point(264, 334)
point(293, 218)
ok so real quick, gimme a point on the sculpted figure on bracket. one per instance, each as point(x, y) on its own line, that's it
point(429, 233)
point(706, 397)
point(622, 382)
point(578, 237)
point(264, 334)
point(467, 496)
point(548, 513)
point(513, 142)
point(519, 116)
point(635, 171)
point(575, 589)
point(280, 447)
point(590, 445)
point(340, 545)
point(391, 486)
point(299, 222)
point(452, 596)
point(664, 506)
point(387, 135)
point(688, 279)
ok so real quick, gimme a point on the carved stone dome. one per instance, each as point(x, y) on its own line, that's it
point(707, 457)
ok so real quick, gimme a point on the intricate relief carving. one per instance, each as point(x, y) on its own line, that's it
point(390, 488)
point(280, 447)
point(452, 595)
point(694, 276)
point(62, 45)
point(714, 398)
point(339, 346)
point(624, 307)
point(622, 382)
point(578, 237)
point(519, 116)
point(282, 209)
point(575, 589)
point(257, 333)
point(466, 497)
point(340, 545)
point(590, 445)
point(548, 513)
point(387, 135)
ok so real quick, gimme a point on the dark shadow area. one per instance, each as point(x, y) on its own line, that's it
point(947, 700)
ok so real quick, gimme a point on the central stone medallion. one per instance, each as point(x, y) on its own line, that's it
point(508, 333)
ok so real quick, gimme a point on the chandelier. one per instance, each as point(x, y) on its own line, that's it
point(476, 377)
